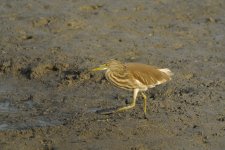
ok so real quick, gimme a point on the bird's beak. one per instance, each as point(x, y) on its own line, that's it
point(101, 67)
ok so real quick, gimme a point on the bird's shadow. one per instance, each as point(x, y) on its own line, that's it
point(107, 111)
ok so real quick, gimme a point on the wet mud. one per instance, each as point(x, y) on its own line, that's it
point(49, 96)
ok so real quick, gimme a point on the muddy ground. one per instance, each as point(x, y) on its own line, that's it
point(48, 96)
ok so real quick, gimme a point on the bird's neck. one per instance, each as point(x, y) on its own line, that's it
point(119, 74)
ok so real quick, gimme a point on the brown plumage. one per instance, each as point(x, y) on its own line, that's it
point(134, 76)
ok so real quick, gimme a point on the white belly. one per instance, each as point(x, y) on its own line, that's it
point(141, 86)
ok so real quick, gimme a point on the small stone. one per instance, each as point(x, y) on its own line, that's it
point(188, 76)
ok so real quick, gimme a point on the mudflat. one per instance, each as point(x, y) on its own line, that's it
point(49, 96)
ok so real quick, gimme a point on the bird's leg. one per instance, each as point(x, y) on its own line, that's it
point(145, 99)
point(132, 104)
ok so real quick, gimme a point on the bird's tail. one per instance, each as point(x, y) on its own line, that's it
point(166, 71)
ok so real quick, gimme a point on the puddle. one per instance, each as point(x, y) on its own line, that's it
point(29, 104)
point(6, 106)
point(43, 122)
point(4, 127)
point(9, 112)
point(17, 113)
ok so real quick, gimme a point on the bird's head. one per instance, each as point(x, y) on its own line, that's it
point(112, 65)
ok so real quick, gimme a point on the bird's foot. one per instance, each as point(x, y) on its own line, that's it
point(145, 116)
